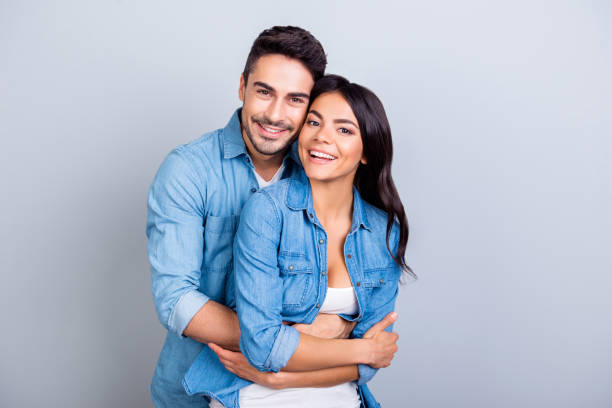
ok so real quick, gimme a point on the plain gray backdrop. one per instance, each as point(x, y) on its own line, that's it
point(501, 117)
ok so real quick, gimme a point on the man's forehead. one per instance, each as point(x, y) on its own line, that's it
point(282, 74)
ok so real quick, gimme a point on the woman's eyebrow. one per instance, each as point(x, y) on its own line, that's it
point(314, 112)
point(345, 121)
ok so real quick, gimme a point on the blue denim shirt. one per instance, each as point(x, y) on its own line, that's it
point(193, 209)
point(280, 267)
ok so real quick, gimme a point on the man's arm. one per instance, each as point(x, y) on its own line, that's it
point(175, 218)
point(215, 323)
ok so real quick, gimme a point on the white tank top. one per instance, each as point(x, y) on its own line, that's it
point(337, 301)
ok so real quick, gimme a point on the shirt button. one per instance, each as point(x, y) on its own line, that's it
point(323, 273)
point(310, 214)
point(382, 280)
point(290, 267)
point(318, 305)
point(358, 284)
point(253, 190)
point(321, 241)
point(349, 256)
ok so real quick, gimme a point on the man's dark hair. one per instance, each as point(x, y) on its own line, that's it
point(292, 42)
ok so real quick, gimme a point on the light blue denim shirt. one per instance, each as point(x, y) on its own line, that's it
point(193, 210)
point(280, 267)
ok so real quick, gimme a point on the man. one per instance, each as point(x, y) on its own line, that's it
point(195, 201)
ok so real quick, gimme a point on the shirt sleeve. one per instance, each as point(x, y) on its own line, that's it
point(176, 242)
point(387, 293)
point(265, 341)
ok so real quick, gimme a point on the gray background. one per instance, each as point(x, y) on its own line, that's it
point(502, 129)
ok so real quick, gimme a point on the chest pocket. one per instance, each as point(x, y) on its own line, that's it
point(296, 273)
point(377, 282)
point(218, 241)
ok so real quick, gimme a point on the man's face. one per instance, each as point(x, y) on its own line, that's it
point(274, 103)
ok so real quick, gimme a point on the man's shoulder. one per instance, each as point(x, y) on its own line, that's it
point(204, 148)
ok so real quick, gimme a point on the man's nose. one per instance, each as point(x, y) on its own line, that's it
point(276, 111)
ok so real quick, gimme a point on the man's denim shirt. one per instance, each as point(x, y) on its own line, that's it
point(280, 268)
point(193, 209)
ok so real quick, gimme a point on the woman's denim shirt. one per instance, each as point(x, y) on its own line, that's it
point(280, 274)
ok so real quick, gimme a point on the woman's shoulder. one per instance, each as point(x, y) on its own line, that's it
point(377, 219)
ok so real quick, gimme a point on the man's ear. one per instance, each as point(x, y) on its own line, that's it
point(242, 88)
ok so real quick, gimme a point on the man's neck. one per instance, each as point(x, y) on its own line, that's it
point(265, 165)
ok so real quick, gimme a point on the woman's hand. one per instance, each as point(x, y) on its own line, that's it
point(236, 363)
point(381, 344)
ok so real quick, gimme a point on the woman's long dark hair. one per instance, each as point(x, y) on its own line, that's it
point(373, 180)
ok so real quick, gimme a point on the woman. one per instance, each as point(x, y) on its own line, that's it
point(330, 241)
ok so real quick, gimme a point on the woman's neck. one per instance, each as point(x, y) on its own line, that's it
point(332, 200)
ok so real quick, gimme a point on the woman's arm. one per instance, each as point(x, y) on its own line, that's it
point(236, 363)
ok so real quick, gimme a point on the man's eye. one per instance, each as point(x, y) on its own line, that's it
point(297, 100)
point(263, 92)
point(312, 122)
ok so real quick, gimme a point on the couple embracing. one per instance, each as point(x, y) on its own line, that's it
point(277, 242)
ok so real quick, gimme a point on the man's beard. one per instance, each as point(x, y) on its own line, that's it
point(266, 146)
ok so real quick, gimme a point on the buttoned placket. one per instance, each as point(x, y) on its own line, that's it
point(321, 244)
point(252, 178)
point(351, 268)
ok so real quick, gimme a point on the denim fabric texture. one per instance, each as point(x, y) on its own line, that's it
point(194, 206)
point(280, 271)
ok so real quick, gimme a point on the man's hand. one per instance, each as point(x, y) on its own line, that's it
point(236, 363)
point(382, 344)
point(327, 326)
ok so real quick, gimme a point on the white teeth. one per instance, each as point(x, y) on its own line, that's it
point(272, 130)
point(323, 155)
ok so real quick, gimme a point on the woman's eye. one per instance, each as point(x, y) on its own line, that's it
point(345, 131)
point(313, 123)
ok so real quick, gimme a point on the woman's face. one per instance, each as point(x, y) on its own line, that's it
point(330, 145)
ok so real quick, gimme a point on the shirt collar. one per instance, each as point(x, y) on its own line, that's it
point(299, 197)
point(233, 145)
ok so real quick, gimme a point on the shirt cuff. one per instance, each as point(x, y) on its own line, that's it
point(284, 346)
point(187, 306)
point(366, 373)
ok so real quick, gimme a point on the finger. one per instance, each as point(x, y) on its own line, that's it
point(385, 322)
point(219, 351)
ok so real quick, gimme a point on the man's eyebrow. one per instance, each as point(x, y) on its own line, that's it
point(314, 112)
point(291, 94)
point(299, 95)
point(263, 85)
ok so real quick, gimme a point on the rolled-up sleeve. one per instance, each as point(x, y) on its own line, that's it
point(366, 373)
point(266, 342)
point(176, 244)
